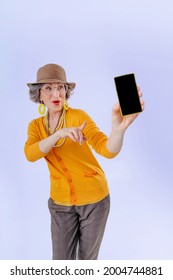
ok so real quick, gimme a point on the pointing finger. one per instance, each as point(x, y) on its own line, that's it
point(82, 126)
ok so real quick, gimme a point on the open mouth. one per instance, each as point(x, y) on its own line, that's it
point(56, 102)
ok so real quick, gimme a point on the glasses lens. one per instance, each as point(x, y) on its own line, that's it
point(61, 87)
point(48, 89)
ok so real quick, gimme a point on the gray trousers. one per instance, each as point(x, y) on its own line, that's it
point(77, 231)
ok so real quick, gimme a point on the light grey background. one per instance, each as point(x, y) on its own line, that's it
point(94, 41)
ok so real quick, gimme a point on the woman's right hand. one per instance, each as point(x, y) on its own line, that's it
point(74, 133)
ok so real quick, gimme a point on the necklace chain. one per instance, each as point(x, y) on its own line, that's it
point(61, 124)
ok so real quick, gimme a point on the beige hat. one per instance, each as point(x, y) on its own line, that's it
point(52, 73)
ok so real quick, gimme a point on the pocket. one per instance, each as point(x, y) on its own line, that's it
point(54, 177)
point(94, 181)
point(90, 174)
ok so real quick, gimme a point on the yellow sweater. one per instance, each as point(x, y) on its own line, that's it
point(76, 177)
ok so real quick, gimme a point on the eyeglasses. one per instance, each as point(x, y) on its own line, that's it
point(49, 89)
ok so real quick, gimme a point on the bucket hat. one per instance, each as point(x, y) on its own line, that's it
point(52, 73)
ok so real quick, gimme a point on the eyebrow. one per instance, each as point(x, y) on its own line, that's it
point(54, 83)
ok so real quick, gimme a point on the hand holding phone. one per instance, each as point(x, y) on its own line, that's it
point(128, 94)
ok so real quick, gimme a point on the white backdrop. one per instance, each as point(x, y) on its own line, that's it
point(94, 41)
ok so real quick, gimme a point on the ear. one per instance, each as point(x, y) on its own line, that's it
point(41, 99)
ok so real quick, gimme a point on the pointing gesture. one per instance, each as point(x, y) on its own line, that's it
point(74, 133)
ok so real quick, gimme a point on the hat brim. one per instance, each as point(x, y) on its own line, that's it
point(47, 81)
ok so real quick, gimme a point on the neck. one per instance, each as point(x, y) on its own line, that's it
point(54, 115)
point(53, 119)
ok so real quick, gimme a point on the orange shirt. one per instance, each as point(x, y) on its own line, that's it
point(76, 177)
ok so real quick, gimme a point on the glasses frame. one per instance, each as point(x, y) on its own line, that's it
point(63, 90)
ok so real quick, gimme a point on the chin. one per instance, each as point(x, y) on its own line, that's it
point(57, 109)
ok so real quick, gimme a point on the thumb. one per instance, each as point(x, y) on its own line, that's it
point(116, 107)
point(82, 126)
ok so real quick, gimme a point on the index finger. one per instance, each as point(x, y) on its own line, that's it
point(139, 91)
point(82, 126)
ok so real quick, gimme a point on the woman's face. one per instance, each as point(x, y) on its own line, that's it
point(53, 95)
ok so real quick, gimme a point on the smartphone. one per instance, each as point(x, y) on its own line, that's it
point(128, 94)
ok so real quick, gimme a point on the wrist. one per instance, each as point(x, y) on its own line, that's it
point(117, 130)
point(57, 134)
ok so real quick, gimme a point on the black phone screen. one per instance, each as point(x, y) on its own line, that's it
point(128, 94)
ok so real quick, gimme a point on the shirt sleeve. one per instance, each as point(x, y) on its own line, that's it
point(31, 148)
point(96, 138)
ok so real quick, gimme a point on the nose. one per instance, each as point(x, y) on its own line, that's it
point(56, 92)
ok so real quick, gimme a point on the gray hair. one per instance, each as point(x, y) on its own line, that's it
point(34, 92)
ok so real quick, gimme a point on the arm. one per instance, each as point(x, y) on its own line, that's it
point(95, 138)
point(36, 148)
point(75, 133)
point(119, 126)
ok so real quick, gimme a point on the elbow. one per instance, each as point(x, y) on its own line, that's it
point(29, 156)
point(111, 155)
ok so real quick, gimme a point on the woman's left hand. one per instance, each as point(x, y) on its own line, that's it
point(122, 122)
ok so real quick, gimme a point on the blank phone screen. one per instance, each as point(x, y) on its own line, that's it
point(128, 94)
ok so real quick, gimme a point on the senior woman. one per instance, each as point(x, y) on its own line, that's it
point(79, 195)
